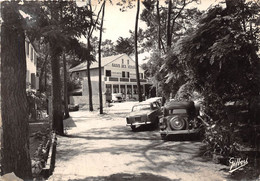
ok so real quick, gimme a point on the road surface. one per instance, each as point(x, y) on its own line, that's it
point(101, 147)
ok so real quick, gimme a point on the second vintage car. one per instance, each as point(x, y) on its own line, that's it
point(144, 113)
point(180, 118)
point(117, 97)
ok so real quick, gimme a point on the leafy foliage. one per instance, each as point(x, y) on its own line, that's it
point(183, 20)
point(222, 57)
point(36, 102)
point(124, 45)
point(108, 48)
point(219, 60)
point(222, 62)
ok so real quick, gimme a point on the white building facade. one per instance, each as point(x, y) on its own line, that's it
point(31, 65)
point(118, 76)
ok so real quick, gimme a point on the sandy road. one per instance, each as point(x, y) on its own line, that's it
point(101, 147)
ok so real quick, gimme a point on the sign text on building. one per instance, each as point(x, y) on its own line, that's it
point(115, 65)
point(122, 66)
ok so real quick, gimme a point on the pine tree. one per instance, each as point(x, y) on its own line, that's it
point(15, 137)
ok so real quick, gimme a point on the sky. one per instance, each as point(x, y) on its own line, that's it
point(117, 23)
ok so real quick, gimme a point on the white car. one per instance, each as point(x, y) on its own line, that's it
point(117, 97)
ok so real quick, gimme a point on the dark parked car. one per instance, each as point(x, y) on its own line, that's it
point(179, 118)
point(144, 113)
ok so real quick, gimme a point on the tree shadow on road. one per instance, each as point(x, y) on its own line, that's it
point(128, 177)
point(150, 153)
point(152, 148)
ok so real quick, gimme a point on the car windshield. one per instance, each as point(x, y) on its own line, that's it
point(141, 107)
point(177, 111)
point(117, 95)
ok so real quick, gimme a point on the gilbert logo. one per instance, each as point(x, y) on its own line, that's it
point(237, 163)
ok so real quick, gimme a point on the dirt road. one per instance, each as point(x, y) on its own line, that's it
point(101, 147)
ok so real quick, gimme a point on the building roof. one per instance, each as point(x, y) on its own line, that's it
point(104, 61)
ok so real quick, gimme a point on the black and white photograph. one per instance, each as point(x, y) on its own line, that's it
point(130, 90)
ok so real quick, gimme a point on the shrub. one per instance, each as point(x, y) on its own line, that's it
point(36, 102)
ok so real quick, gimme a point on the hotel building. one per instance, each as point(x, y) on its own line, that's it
point(118, 76)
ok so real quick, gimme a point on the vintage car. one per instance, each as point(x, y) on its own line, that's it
point(179, 117)
point(144, 113)
point(155, 99)
point(73, 107)
point(117, 97)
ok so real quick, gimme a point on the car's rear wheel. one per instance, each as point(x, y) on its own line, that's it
point(177, 123)
point(133, 128)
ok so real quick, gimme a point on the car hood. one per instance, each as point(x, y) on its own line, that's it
point(139, 113)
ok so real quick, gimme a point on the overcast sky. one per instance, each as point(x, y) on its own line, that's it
point(119, 23)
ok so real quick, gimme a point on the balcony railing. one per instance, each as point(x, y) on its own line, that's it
point(122, 79)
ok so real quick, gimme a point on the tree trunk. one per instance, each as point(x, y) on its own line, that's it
point(45, 79)
point(89, 81)
point(159, 26)
point(15, 138)
point(169, 34)
point(42, 85)
point(66, 102)
point(136, 54)
point(99, 61)
point(57, 117)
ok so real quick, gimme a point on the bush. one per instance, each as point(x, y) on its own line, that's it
point(36, 102)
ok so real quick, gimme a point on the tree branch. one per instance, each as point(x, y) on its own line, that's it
point(174, 19)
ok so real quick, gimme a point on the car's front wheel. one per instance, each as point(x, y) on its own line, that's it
point(163, 136)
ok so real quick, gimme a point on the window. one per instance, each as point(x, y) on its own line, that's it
point(154, 105)
point(141, 75)
point(123, 74)
point(127, 62)
point(129, 89)
point(27, 76)
point(31, 53)
point(27, 47)
point(141, 107)
point(115, 88)
point(108, 88)
point(108, 73)
point(135, 89)
point(122, 89)
point(177, 111)
point(128, 74)
point(35, 58)
point(33, 81)
point(122, 61)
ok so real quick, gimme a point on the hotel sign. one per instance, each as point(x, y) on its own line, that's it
point(131, 67)
point(122, 66)
point(115, 65)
